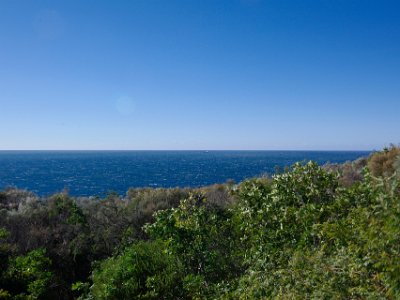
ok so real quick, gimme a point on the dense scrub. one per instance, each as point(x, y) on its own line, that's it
point(310, 232)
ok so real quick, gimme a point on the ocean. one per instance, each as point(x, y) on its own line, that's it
point(96, 173)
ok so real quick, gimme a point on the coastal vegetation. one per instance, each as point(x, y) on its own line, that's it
point(310, 232)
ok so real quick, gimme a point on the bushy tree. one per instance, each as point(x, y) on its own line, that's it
point(312, 240)
point(29, 276)
point(143, 271)
point(202, 237)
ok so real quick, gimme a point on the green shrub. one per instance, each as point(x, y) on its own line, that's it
point(143, 271)
point(202, 237)
point(29, 275)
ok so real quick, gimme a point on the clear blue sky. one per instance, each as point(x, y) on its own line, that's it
point(240, 74)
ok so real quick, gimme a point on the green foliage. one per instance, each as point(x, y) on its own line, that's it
point(65, 208)
point(28, 276)
point(317, 241)
point(3, 233)
point(81, 287)
point(281, 214)
point(143, 271)
point(4, 254)
point(202, 237)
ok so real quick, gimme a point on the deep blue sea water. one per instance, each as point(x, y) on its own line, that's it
point(91, 173)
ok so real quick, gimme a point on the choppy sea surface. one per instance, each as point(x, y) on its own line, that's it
point(95, 173)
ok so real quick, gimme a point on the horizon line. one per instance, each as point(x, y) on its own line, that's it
point(183, 150)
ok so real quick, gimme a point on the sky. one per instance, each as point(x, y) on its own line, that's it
point(169, 75)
